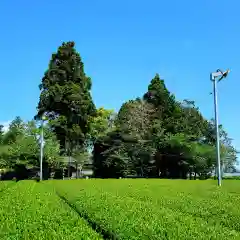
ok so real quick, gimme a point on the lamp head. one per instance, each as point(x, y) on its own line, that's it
point(224, 74)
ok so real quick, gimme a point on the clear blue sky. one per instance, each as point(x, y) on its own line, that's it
point(123, 44)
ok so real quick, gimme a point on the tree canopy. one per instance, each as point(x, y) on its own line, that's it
point(158, 136)
point(20, 146)
point(65, 97)
point(154, 135)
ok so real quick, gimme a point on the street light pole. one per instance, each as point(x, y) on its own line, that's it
point(217, 131)
point(215, 78)
point(41, 147)
point(41, 152)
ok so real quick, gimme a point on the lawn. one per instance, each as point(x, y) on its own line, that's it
point(120, 209)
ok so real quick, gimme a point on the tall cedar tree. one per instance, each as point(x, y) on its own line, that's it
point(159, 96)
point(65, 97)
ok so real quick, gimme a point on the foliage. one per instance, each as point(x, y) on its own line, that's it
point(135, 117)
point(110, 158)
point(65, 97)
point(170, 139)
point(81, 158)
point(127, 149)
point(32, 211)
point(21, 146)
point(100, 124)
point(156, 209)
point(155, 135)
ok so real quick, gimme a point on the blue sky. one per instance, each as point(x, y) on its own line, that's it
point(123, 44)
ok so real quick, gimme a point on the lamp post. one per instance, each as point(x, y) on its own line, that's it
point(216, 77)
point(41, 147)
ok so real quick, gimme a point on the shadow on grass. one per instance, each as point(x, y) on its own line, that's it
point(108, 235)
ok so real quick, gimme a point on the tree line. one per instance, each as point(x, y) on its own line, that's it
point(155, 135)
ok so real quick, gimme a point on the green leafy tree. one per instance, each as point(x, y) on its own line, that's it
point(16, 129)
point(135, 118)
point(1, 134)
point(101, 123)
point(126, 149)
point(228, 152)
point(20, 147)
point(161, 99)
point(65, 97)
point(81, 158)
point(111, 155)
point(160, 136)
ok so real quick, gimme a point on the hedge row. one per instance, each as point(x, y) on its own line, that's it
point(31, 210)
point(150, 209)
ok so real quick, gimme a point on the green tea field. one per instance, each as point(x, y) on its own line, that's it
point(120, 209)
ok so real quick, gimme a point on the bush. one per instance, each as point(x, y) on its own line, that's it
point(33, 211)
point(154, 209)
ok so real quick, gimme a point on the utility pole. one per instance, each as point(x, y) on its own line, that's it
point(216, 77)
point(41, 152)
point(41, 147)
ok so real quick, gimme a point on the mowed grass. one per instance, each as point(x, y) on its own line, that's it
point(120, 209)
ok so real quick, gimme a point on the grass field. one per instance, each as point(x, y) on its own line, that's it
point(120, 209)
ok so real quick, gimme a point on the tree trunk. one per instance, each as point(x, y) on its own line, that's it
point(195, 175)
point(80, 170)
point(69, 164)
point(76, 171)
point(141, 171)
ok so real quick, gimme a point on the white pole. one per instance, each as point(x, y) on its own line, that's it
point(41, 153)
point(214, 76)
point(217, 131)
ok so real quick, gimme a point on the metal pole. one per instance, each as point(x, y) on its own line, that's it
point(69, 159)
point(69, 164)
point(41, 153)
point(217, 130)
